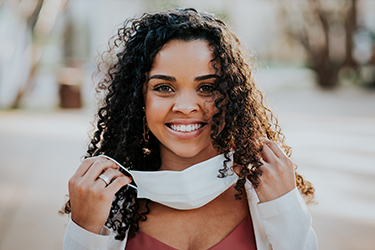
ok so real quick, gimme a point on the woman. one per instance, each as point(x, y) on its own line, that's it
point(183, 114)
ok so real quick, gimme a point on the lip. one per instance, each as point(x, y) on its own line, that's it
point(186, 134)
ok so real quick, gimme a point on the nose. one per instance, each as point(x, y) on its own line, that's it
point(185, 103)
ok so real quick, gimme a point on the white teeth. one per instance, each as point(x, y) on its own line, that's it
point(186, 128)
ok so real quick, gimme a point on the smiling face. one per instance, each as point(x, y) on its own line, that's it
point(179, 102)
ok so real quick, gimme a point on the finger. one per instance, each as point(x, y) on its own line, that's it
point(123, 169)
point(111, 159)
point(263, 164)
point(82, 169)
point(111, 174)
point(266, 168)
point(98, 167)
point(268, 155)
point(118, 183)
point(275, 148)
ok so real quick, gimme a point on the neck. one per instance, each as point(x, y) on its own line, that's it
point(174, 162)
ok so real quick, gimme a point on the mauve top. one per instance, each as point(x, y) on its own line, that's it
point(241, 238)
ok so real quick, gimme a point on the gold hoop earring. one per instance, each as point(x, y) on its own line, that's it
point(146, 136)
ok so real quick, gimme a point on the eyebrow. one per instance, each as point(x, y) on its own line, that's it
point(163, 77)
point(172, 79)
point(201, 78)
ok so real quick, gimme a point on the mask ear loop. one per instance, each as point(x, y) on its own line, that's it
point(123, 168)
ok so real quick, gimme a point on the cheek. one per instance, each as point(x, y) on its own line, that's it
point(158, 106)
point(150, 111)
point(156, 111)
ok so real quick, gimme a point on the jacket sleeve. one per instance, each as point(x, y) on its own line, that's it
point(77, 238)
point(287, 223)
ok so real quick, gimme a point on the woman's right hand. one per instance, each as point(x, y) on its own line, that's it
point(90, 197)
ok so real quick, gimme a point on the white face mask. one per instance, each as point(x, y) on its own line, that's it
point(191, 188)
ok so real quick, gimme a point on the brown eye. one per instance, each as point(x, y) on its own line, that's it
point(207, 88)
point(163, 89)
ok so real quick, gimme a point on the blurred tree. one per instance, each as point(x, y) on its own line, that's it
point(31, 22)
point(39, 16)
point(325, 29)
point(162, 4)
point(171, 4)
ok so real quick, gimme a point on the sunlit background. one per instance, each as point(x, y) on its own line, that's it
point(316, 61)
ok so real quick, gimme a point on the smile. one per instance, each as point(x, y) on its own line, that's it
point(185, 128)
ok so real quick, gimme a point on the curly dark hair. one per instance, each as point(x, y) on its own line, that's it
point(245, 120)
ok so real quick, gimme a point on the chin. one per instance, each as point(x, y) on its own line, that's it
point(186, 153)
point(191, 152)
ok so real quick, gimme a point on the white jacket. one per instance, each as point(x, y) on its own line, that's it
point(280, 224)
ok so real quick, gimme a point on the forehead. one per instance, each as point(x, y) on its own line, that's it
point(190, 56)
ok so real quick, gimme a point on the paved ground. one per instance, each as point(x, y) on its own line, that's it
point(332, 134)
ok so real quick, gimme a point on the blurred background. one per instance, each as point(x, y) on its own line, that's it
point(316, 65)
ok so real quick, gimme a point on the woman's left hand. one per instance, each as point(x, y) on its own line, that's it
point(278, 173)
